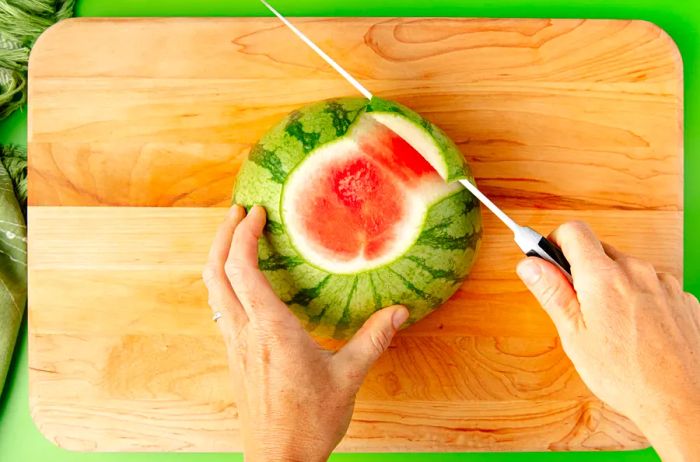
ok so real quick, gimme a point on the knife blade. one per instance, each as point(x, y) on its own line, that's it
point(531, 242)
point(358, 86)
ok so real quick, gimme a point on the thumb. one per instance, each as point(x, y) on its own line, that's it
point(373, 338)
point(554, 292)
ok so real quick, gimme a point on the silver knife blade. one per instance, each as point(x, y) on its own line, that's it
point(508, 221)
point(365, 92)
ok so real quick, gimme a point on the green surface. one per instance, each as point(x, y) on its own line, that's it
point(19, 439)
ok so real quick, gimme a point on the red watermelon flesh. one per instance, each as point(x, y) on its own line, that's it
point(356, 207)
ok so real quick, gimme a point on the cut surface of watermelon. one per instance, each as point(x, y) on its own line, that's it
point(359, 213)
point(359, 203)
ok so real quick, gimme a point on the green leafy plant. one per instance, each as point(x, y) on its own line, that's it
point(21, 22)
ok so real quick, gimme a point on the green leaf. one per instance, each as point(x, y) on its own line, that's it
point(13, 270)
point(14, 159)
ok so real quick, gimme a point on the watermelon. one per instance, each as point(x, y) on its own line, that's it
point(363, 212)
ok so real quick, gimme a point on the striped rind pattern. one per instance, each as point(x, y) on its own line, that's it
point(336, 305)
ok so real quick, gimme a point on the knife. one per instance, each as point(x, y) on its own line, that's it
point(532, 243)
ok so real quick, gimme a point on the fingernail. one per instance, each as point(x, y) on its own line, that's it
point(529, 271)
point(258, 209)
point(399, 317)
point(235, 209)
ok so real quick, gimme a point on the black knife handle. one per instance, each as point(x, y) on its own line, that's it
point(554, 253)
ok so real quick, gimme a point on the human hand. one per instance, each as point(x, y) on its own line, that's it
point(632, 334)
point(294, 398)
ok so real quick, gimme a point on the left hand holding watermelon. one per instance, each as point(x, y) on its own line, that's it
point(295, 399)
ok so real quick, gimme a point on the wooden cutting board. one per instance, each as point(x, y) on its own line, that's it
point(137, 128)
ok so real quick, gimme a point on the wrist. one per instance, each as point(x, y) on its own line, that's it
point(671, 428)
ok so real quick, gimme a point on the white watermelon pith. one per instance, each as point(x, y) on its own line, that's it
point(358, 216)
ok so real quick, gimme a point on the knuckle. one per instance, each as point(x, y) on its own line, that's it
point(616, 275)
point(640, 267)
point(209, 274)
point(647, 267)
point(233, 269)
point(573, 228)
point(380, 341)
point(213, 301)
point(625, 261)
point(550, 295)
point(670, 280)
point(623, 264)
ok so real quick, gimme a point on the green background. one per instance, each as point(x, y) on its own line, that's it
point(19, 439)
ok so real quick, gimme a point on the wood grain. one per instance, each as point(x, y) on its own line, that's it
point(527, 102)
point(140, 256)
point(136, 130)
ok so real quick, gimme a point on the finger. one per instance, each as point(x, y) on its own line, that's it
point(248, 282)
point(230, 326)
point(638, 269)
point(224, 234)
point(580, 245)
point(553, 291)
point(368, 343)
point(221, 295)
point(670, 283)
point(611, 251)
point(692, 299)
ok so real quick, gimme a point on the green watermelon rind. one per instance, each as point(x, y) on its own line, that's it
point(455, 165)
point(336, 305)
